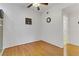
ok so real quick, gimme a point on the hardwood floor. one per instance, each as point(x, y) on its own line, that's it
point(72, 50)
point(38, 48)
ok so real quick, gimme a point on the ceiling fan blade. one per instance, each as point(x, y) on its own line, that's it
point(29, 6)
point(38, 8)
point(44, 3)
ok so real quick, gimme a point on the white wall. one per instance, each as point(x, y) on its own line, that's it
point(53, 31)
point(74, 29)
point(73, 26)
point(15, 30)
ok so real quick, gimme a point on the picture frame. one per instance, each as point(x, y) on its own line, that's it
point(28, 21)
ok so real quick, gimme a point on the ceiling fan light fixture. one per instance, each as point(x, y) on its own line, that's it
point(36, 4)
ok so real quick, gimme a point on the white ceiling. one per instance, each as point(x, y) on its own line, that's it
point(42, 7)
point(50, 5)
point(73, 9)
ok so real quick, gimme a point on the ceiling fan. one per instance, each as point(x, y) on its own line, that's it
point(37, 5)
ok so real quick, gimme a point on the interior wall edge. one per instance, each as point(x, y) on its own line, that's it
point(54, 44)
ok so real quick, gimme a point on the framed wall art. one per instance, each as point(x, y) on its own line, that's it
point(28, 21)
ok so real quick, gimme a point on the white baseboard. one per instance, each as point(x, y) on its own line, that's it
point(54, 44)
point(77, 44)
point(19, 44)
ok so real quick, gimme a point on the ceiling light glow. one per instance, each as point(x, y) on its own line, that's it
point(36, 4)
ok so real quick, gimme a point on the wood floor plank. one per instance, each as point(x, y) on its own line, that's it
point(72, 50)
point(38, 48)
